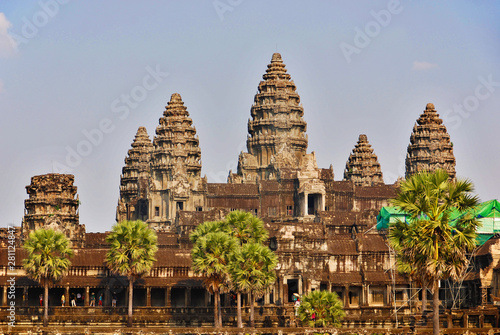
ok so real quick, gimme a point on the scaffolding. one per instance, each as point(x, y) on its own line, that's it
point(455, 293)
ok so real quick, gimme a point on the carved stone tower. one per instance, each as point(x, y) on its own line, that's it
point(277, 127)
point(135, 179)
point(53, 203)
point(176, 166)
point(430, 147)
point(363, 167)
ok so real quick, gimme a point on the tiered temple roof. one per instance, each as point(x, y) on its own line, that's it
point(136, 166)
point(53, 203)
point(430, 147)
point(363, 167)
point(176, 144)
point(134, 180)
point(277, 126)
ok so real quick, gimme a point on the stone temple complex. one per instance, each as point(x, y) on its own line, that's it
point(323, 230)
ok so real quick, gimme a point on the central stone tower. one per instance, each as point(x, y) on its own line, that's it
point(277, 130)
point(177, 184)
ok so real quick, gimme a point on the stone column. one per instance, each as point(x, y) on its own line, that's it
point(449, 319)
point(484, 295)
point(4, 296)
point(87, 296)
point(365, 292)
point(107, 297)
point(346, 295)
point(389, 296)
point(148, 296)
point(207, 298)
point(188, 296)
point(167, 296)
point(305, 204)
point(279, 291)
point(25, 296)
point(266, 297)
point(66, 293)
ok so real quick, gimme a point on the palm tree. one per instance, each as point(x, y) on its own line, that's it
point(429, 244)
point(326, 307)
point(210, 258)
point(247, 228)
point(47, 260)
point(132, 253)
point(252, 270)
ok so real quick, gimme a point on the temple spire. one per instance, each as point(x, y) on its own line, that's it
point(134, 181)
point(430, 147)
point(363, 167)
point(176, 144)
point(276, 125)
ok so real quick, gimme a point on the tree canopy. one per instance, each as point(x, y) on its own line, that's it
point(132, 253)
point(48, 259)
point(427, 246)
point(321, 308)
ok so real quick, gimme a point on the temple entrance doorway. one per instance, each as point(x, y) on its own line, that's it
point(313, 203)
point(293, 287)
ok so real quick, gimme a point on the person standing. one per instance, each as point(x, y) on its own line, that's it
point(41, 300)
point(63, 300)
point(92, 300)
point(100, 300)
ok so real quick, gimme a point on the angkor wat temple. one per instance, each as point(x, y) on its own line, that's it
point(323, 230)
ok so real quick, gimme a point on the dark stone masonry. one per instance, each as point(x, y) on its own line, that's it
point(322, 230)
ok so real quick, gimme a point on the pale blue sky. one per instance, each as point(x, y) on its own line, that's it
point(67, 67)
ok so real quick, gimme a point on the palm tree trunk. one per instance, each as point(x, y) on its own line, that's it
point(238, 305)
point(252, 314)
point(130, 300)
point(220, 312)
point(46, 302)
point(424, 298)
point(216, 309)
point(435, 308)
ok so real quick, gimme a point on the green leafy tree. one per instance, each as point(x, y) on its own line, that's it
point(132, 253)
point(429, 243)
point(325, 306)
point(252, 271)
point(210, 258)
point(247, 229)
point(47, 260)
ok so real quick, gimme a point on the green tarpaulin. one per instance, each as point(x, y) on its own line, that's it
point(488, 214)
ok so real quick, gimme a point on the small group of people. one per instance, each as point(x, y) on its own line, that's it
point(80, 299)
